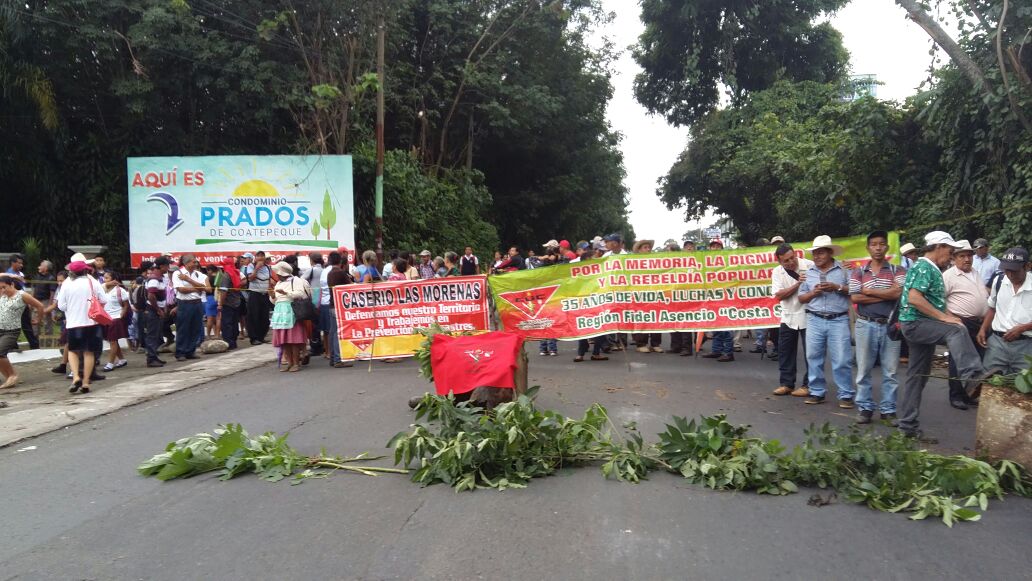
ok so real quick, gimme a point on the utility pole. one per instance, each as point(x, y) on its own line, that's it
point(378, 212)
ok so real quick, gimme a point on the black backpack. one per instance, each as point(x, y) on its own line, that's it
point(139, 297)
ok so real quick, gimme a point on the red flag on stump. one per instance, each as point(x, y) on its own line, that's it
point(462, 364)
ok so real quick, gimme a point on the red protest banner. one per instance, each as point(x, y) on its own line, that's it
point(379, 320)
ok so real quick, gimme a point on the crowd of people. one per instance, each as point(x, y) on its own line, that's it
point(874, 315)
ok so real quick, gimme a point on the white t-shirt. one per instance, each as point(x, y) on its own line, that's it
point(1012, 309)
point(181, 285)
point(388, 269)
point(793, 314)
point(610, 252)
point(113, 306)
point(156, 286)
point(74, 301)
point(324, 286)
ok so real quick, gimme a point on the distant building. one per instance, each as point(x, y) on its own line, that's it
point(861, 86)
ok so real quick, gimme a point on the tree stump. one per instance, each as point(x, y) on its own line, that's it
point(1003, 430)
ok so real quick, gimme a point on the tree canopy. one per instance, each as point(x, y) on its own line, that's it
point(495, 110)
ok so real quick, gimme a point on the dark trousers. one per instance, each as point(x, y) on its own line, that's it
point(788, 349)
point(230, 325)
point(681, 342)
point(189, 325)
point(26, 325)
point(258, 308)
point(582, 347)
point(151, 324)
point(923, 335)
point(166, 329)
point(957, 391)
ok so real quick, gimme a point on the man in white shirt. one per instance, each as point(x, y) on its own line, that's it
point(967, 298)
point(985, 264)
point(1006, 332)
point(786, 279)
point(191, 284)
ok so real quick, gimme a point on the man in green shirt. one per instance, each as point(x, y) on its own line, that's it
point(925, 324)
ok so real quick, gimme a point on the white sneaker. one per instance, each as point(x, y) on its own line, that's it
point(121, 363)
point(109, 367)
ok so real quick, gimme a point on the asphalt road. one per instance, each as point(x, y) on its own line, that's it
point(74, 508)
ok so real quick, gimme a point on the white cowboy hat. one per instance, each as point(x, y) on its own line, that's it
point(965, 246)
point(79, 257)
point(824, 241)
point(908, 247)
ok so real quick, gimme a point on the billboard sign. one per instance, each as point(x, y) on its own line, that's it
point(222, 206)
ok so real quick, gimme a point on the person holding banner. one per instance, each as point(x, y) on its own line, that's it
point(786, 278)
point(825, 293)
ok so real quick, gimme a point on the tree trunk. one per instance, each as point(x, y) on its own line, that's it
point(964, 62)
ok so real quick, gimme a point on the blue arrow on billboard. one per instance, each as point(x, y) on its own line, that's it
point(173, 221)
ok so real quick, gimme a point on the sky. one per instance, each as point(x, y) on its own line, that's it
point(897, 54)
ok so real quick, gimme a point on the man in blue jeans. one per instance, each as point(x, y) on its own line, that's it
point(191, 284)
point(824, 293)
point(874, 288)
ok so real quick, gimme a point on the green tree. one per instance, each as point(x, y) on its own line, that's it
point(692, 48)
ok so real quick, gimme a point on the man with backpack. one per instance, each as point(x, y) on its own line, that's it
point(1006, 332)
point(874, 288)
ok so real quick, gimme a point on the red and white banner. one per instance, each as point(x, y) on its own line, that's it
point(379, 320)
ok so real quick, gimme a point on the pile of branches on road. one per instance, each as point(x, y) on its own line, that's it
point(467, 448)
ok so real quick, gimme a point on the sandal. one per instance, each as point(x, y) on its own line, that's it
point(294, 369)
point(76, 385)
point(599, 358)
point(578, 359)
point(84, 389)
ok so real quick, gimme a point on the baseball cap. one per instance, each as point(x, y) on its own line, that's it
point(584, 245)
point(979, 243)
point(940, 237)
point(614, 237)
point(425, 253)
point(248, 255)
point(76, 266)
point(1014, 259)
point(564, 244)
point(778, 238)
point(551, 244)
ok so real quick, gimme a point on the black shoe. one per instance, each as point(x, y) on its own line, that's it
point(773, 355)
point(756, 350)
point(711, 355)
point(972, 402)
point(161, 361)
point(960, 405)
point(192, 356)
point(891, 419)
point(865, 417)
point(155, 364)
point(814, 400)
point(725, 358)
point(846, 403)
point(60, 369)
point(255, 342)
point(180, 358)
point(76, 385)
point(919, 436)
point(97, 377)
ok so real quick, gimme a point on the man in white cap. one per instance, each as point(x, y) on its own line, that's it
point(926, 323)
point(426, 267)
point(1007, 329)
point(825, 294)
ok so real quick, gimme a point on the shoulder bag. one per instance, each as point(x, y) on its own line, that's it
point(96, 311)
point(304, 310)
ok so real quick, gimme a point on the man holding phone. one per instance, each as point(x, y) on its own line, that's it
point(786, 279)
point(825, 294)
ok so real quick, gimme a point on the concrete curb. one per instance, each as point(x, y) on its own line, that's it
point(73, 409)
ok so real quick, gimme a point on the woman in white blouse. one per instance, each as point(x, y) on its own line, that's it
point(12, 304)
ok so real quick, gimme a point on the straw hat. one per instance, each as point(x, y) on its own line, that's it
point(283, 269)
point(637, 245)
point(824, 241)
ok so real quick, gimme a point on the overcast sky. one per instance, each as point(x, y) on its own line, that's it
point(880, 40)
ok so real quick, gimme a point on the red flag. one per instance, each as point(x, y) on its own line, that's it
point(462, 364)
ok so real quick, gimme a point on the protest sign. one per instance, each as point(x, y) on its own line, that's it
point(655, 292)
point(379, 320)
point(224, 206)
